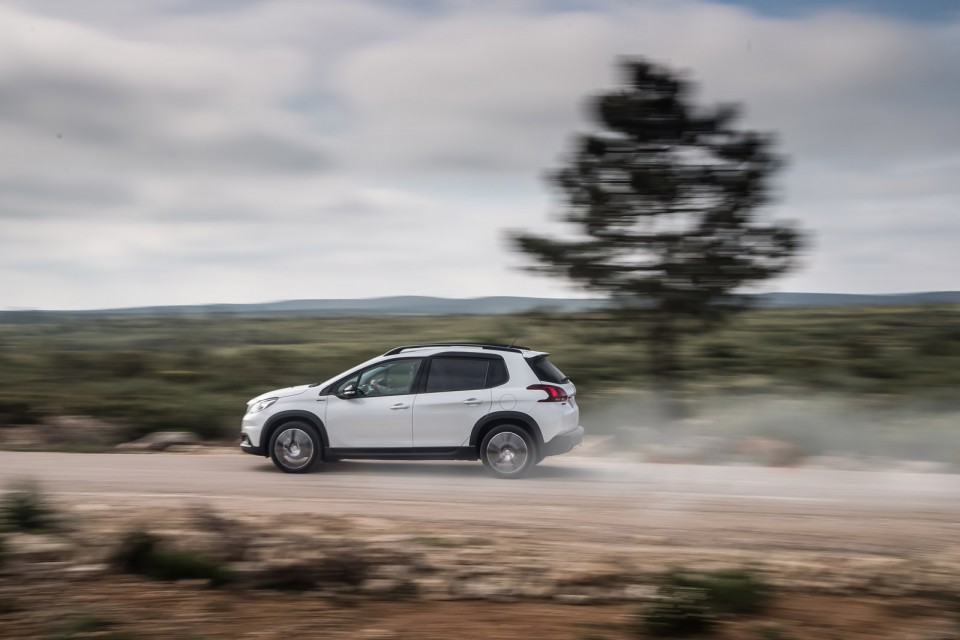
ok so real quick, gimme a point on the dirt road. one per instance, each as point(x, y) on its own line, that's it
point(591, 499)
point(863, 546)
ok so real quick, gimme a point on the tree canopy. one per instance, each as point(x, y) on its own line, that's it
point(667, 198)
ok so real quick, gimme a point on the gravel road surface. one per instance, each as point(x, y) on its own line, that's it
point(592, 499)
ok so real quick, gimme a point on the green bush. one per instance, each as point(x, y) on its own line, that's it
point(9, 605)
point(731, 591)
point(18, 411)
point(680, 611)
point(25, 508)
point(195, 373)
point(772, 632)
point(140, 553)
point(88, 625)
point(690, 603)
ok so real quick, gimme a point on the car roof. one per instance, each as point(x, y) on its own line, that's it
point(468, 347)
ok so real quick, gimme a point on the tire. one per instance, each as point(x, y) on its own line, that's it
point(508, 452)
point(295, 447)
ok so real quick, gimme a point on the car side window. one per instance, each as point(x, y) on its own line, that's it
point(457, 374)
point(391, 378)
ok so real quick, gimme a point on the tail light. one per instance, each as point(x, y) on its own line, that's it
point(554, 393)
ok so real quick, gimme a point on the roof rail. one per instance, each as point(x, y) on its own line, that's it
point(482, 345)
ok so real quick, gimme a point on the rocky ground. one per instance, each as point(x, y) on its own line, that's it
point(579, 550)
point(299, 575)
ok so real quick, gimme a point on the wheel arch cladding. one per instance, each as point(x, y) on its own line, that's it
point(282, 418)
point(497, 418)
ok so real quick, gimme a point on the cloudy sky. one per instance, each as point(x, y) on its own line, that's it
point(194, 151)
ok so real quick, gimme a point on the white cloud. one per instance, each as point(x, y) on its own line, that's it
point(253, 151)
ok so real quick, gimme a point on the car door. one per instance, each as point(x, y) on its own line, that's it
point(380, 415)
point(455, 395)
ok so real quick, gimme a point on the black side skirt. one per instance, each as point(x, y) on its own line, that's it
point(404, 453)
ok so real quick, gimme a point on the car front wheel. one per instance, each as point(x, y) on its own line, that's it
point(295, 447)
point(508, 451)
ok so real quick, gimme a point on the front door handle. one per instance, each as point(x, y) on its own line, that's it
point(400, 405)
point(471, 402)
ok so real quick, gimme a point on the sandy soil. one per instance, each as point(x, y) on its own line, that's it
point(126, 607)
point(813, 527)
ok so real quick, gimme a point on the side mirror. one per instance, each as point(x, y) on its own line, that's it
point(349, 391)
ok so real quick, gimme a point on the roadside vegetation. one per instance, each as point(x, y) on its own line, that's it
point(76, 626)
point(195, 373)
point(141, 553)
point(691, 603)
point(24, 507)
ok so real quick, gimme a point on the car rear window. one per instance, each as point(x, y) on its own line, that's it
point(546, 371)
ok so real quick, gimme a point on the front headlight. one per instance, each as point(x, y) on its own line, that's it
point(257, 407)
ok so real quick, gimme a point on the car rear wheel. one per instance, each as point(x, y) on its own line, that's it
point(508, 452)
point(295, 447)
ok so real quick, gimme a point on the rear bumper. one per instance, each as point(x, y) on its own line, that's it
point(564, 442)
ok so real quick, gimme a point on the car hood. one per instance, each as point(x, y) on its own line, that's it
point(280, 393)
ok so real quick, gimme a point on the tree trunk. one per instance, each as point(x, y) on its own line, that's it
point(664, 368)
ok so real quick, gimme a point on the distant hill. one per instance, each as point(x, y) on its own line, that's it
point(495, 305)
point(393, 305)
point(857, 299)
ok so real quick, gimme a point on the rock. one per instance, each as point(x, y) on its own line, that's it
point(924, 466)
point(85, 571)
point(38, 548)
point(836, 462)
point(690, 449)
point(574, 598)
point(160, 441)
point(395, 571)
point(768, 452)
point(375, 634)
point(640, 592)
point(849, 462)
point(185, 448)
point(79, 430)
point(476, 589)
point(390, 588)
point(434, 587)
point(380, 586)
point(60, 430)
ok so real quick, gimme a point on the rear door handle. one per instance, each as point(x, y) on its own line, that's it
point(471, 401)
point(399, 405)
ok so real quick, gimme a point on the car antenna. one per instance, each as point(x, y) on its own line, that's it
point(514, 341)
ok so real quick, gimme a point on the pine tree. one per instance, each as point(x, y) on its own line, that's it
point(666, 198)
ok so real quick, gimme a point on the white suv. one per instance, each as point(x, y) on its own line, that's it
point(506, 405)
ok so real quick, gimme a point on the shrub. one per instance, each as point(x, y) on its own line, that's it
point(25, 508)
point(140, 553)
point(772, 632)
point(86, 625)
point(9, 605)
point(135, 553)
point(689, 603)
point(680, 611)
point(18, 411)
point(736, 591)
point(187, 565)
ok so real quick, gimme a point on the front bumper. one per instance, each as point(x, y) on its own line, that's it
point(564, 442)
point(246, 447)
